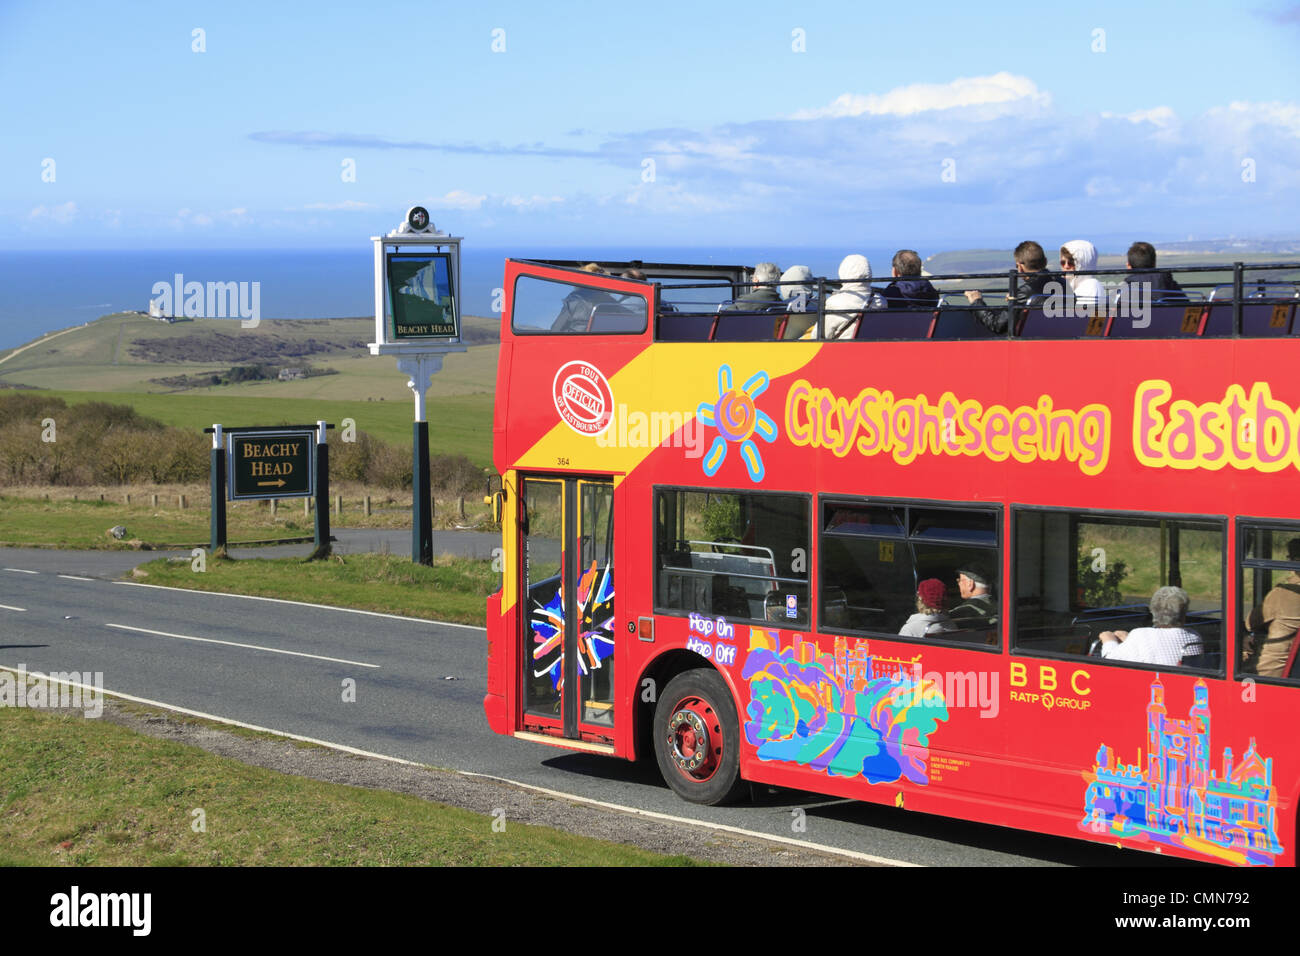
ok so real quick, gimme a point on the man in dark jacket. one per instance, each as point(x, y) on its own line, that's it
point(1142, 263)
point(1031, 261)
point(763, 295)
point(908, 290)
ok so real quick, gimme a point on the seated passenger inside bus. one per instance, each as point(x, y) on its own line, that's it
point(978, 606)
point(1166, 642)
point(930, 616)
point(1274, 623)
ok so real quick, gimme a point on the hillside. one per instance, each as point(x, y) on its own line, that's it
point(119, 358)
point(127, 352)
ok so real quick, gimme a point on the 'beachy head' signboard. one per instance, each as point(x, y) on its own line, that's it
point(417, 286)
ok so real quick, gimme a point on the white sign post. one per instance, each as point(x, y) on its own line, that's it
point(418, 320)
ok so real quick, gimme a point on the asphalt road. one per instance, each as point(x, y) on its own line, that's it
point(419, 691)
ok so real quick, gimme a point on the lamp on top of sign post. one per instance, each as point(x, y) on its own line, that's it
point(417, 319)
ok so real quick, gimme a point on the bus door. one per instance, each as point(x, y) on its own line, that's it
point(567, 544)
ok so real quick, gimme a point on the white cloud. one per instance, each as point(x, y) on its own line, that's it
point(1161, 116)
point(62, 213)
point(534, 201)
point(1000, 89)
point(345, 205)
point(456, 199)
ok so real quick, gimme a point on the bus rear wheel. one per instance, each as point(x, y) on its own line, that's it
point(697, 738)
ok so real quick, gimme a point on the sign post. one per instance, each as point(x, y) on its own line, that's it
point(251, 463)
point(417, 319)
point(218, 491)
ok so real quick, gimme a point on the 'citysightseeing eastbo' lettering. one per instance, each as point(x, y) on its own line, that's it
point(82, 690)
point(651, 429)
point(74, 908)
point(219, 300)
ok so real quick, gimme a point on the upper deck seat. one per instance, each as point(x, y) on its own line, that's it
point(1267, 311)
point(959, 322)
point(615, 318)
point(765, 325)
point(1171, 321)
point(686, 326)
point(898, 325)
point(1034, 323)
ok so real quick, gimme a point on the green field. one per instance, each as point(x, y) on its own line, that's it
point(458, 424)
point(81, 792)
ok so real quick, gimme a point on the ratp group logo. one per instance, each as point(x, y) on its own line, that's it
point(737, 419)
point(583, 397)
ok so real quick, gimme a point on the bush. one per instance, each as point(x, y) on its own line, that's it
point(455, 475)
point(389, 467)
point(350, 461)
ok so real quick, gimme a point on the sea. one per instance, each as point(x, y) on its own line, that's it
point(45, 291)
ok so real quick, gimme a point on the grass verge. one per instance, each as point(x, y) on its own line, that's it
point(454, 589)
point(84, 792)
point(61, 522)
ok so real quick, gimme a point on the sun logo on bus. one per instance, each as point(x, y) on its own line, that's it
point(737, 419)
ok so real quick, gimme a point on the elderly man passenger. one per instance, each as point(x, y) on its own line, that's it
point(762, 293)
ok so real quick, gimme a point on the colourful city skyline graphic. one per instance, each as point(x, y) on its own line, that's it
point(1171, 796)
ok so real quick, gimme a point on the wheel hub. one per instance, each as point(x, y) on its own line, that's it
point(689, 741)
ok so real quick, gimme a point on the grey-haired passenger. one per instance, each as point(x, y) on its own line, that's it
point(1166, 642)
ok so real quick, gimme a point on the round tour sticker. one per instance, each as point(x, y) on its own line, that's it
point(583, 398)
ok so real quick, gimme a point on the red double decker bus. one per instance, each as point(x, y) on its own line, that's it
point(1044, 577)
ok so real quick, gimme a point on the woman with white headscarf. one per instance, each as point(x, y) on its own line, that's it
point(855, 296)
point(1080, 255)
point(800, 293)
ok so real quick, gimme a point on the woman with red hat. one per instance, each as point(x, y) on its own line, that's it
point(930, 616)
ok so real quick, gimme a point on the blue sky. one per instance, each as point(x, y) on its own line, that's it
point(829, 124)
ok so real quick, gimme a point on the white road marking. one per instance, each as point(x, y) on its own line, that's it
point(323, 607)
point(254, 647)
point(22, 571)
point(73, 577)
point(10, 607)
point(344, 748)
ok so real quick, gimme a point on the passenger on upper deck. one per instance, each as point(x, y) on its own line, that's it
point(1273, 625)
point(855, 296)
point(1165, 642)
point(930, 617)
point(801, 295)
point(1080, 255)
point(1142, 260)
point(1032, 262)
point(575, 312)
point(908, 290)
point(763, 291)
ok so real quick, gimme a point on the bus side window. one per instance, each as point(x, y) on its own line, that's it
point(726, 553)
point(873, 557)
point(1086, 580)
point(1268, 616)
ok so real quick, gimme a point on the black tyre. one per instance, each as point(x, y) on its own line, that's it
point(697, 738)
